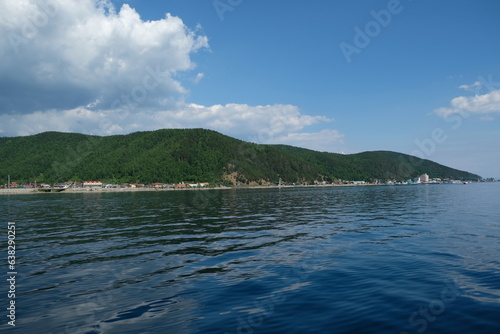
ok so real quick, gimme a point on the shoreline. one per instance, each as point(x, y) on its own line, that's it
point(28, 191)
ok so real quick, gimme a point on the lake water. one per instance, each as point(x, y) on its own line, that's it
point(394, 259)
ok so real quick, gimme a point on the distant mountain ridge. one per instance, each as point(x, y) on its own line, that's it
point(196, 155)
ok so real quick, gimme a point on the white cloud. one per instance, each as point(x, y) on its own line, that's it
point(66, 54)
point(261, 124)
point(325, 140)
point(198, 78)
point(479, 104)
point(475, 85)
point(84, 66)
point(247, 121)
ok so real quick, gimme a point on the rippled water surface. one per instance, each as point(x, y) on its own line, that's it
point(400, 259)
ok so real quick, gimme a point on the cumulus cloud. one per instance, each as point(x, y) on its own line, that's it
point(479, 104)
point(66, 54)
point(85, 66)
point(262, 124)
point(325, 140)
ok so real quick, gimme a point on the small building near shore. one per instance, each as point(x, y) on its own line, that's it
point(424, 178)
point(92, 184)
point(136, 185)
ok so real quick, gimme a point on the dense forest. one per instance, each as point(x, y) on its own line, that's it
point(195, 155)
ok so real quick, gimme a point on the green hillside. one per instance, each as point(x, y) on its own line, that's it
point(382, 165)
point(194, 155)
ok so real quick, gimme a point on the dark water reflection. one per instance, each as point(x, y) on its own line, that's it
point(306, 260)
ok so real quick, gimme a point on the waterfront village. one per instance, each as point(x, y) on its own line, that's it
point(95, 185)
point(100, 185)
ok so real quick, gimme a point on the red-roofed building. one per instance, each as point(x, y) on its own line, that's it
point(92, 184)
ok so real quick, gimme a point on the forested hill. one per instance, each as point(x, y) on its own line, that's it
point(195, 155)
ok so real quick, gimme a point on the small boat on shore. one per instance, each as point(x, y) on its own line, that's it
point(51, 190)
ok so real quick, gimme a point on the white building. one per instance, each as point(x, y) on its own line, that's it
point(424, 178)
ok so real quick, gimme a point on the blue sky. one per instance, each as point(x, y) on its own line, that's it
point(423, 79)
